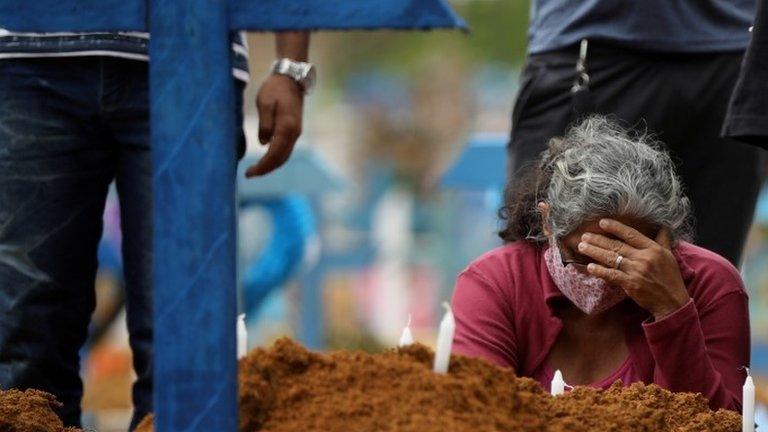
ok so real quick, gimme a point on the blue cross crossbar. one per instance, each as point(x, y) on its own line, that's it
point(258, 15)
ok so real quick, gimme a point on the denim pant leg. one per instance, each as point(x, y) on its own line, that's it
point(54, 174)
point(126, 111)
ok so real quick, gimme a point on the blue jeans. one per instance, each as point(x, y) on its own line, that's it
point(68, 127)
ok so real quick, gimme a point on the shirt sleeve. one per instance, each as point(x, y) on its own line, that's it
point(703, 351)
point(484, 325)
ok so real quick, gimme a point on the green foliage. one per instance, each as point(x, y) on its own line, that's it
point(499, 29)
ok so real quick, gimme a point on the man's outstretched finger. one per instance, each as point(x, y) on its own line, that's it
point(266, 122)
point(272, 159)
point(278, 152)
point(275, 156)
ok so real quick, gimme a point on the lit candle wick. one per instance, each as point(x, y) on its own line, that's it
point(748, 404)
point(406, 338)
point(558, 384)
point(242, 337)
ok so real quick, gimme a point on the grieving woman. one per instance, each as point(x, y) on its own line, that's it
point(596, 278)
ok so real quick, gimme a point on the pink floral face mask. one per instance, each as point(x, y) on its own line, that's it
point(589, 293)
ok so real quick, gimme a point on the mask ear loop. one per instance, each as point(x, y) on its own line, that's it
point(538, 200)
point(543, 165)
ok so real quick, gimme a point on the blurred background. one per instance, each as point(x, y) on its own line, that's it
point(392, 190)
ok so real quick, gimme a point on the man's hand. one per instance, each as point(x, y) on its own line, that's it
point(280, 103)
point(648, 271)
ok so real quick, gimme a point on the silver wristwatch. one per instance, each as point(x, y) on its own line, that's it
point(303, 73)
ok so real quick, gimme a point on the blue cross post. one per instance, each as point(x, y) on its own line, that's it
point(192, 132)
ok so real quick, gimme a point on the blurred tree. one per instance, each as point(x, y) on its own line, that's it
point(417, 133)
point(498, 35)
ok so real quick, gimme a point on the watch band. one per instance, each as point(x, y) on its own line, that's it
point(301, 72)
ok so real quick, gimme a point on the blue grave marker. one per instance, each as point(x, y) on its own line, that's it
point(193, 149)
point(481, 164)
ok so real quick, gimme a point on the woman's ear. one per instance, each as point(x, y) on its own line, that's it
point(544, 210)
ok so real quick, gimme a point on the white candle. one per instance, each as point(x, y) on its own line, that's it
point(242, 337)
point(748, 405)
point(444, 341)
point(406, 338)
point(558, 384)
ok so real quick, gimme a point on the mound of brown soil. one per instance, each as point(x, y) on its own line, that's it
point(287, 388)
point(30, 411)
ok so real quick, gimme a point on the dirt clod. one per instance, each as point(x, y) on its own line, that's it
point(30, 411)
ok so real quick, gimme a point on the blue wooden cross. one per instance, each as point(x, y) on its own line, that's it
point(481, 164)
point(193, 130)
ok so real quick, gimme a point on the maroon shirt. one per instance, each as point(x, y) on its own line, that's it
point(503, 308)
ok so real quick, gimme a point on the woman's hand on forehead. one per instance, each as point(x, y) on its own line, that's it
point(604, 238)
point(614, 228)
point(645, 268)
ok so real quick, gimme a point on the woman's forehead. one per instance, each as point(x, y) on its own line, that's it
point(593, 226)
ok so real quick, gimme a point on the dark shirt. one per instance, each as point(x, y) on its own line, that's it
point(130, 45)
point(747, 118)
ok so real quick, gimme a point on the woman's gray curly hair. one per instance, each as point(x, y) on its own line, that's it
point(597, 169)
